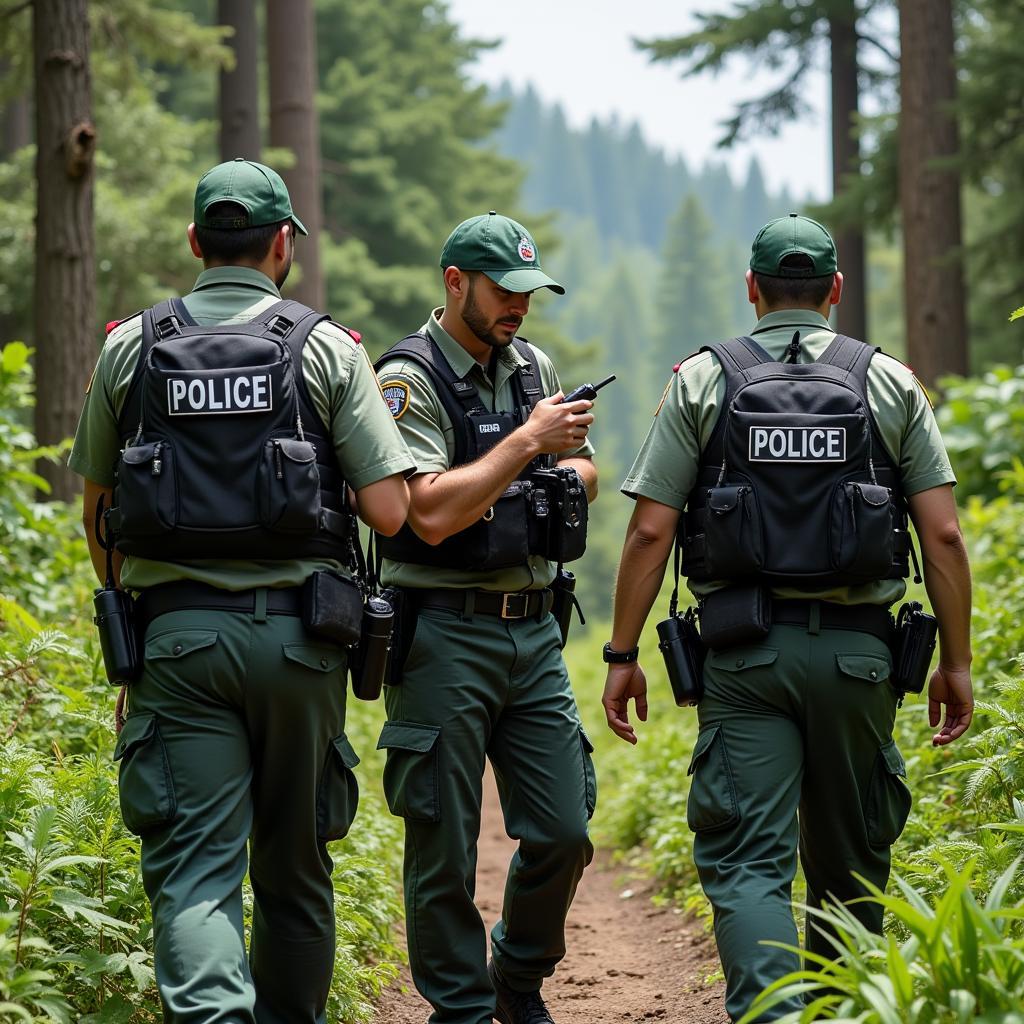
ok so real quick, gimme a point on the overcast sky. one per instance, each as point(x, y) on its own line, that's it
point(579, 53)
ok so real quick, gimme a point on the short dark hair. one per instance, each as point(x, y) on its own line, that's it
point(235, 244)
point(794, 291)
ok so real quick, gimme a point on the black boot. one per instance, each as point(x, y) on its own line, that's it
point(516, 1007)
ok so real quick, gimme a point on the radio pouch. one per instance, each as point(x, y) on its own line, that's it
point(914, 645)
point(332, 607)
point(734, 616)
point(115, 616)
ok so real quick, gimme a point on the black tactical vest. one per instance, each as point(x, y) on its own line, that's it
point(504, 537)
point(224, 453)
point(795, 487)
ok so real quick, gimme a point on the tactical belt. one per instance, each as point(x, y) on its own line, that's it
point(861, 618)
point(174, 597)
point(518, 605)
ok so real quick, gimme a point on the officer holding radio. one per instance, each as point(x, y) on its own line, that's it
point(223, 432)
point(783, 467)
point(504, 474)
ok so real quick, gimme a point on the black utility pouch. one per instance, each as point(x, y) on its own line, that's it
point(289, 486)
point(733, 535)
point(913, 648)
point(861, 530)
point(119, 640)
point(146, 494)
point(683, 649)
point(332, 607)
point(369, 663)
point(734, 616)
point(564, 600)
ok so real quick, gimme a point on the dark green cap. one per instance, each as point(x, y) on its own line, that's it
point(786, 236)
point(502, 248)
point(255, 187)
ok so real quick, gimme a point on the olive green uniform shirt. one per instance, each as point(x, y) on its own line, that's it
point(341, 384)
point(666, 468)
point(430, 435)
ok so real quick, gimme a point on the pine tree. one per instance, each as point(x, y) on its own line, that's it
point(692, 297)
point(65, 265)
point(930, 192)
point(789, 35)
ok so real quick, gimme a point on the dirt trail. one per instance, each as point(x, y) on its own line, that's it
point(627, 960)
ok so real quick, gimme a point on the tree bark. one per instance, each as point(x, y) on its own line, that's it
point(65, 263)
point(851, 313)
point(240, 87)
point(930, 192)
point(294, 125)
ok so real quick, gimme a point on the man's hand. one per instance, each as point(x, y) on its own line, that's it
point(951, 687)
point(624, 683)
point(553, 427)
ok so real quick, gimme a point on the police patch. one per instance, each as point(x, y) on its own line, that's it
point(396, 394)
point(796, 444)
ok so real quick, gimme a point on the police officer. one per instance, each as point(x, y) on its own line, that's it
point(794, 749)
point(242, 421)
point(483, 676)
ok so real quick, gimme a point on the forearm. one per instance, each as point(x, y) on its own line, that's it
point(641, 571)
point(587, 472)
point(947, 578)
point(452, 501)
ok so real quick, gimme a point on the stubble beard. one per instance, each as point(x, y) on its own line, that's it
point(482, 328)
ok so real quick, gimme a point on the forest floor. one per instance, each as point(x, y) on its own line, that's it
point(627, 959)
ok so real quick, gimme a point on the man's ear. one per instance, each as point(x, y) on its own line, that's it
point(281, 241)
point(837, 289)
point(455, 282)
point(752, 293)
point(194, 242)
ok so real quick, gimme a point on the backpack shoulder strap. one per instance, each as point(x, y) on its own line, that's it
point(529, 376)
point(457, 395)
point(852, 356)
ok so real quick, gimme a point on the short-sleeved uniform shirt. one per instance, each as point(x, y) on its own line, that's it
point(665, 470)
point(430, 435)
point(341, 384)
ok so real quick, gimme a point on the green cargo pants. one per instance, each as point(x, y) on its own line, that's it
point(236, 734)
point(795, 747)
point(474, 688)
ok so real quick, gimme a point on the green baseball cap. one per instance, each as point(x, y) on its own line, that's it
point(786, 236)
point(255, 187)
point(502, 248)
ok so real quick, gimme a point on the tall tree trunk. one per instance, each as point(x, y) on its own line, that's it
point(65, 265)
point(930, 193)
point(240, 87)
point(851, 313)
point(291, 53)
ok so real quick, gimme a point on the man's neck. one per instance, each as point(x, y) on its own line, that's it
point(456, 328)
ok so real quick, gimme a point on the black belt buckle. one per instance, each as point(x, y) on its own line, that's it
point(509, 610)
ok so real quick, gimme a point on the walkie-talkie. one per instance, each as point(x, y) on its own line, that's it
point(586, 392)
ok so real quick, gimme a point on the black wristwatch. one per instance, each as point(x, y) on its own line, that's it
point(614, 657)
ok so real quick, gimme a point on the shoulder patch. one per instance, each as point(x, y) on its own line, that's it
point(396, 394)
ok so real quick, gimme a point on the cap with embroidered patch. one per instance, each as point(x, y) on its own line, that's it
point(500, 247)
point(258, 189)
point(789, 236)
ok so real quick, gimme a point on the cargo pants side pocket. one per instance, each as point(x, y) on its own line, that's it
point(589, 773)
point(711, 802)
point(888, 798)
point(411, 783)
point(144, 781)
point(337, 795)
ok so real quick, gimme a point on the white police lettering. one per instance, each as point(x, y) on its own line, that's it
point(490, 428)
point(797, 444)
point(208, 395)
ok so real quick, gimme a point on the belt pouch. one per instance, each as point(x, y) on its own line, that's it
point(915, 644)
point(734, 616)
point(683, 650)
point(369, 662)
point(332, 607)
point(115, 621)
